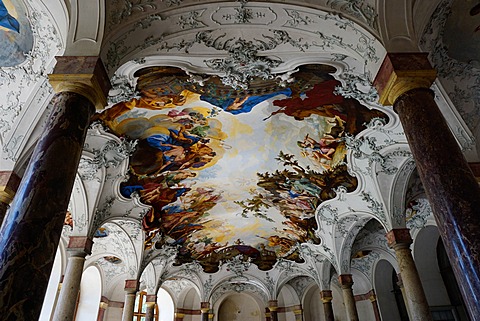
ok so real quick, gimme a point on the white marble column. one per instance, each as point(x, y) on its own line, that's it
point(131, 288)
point(78, 248)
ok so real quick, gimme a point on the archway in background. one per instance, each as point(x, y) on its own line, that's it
point(239, 307)
point(387, 293)
point(51, 295)
point(166, 308)
point(90, 295)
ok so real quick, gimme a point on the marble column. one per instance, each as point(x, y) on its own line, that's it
point(205, 308)
point(326, 297)
point(346, 283)
point(131, 288)
point(179, 316)
point(400, 240)
point(31, 230)
point(404, 296)
point(151, 303)
point(298, 314)
point(78, 248)
point(9, 182)
point(268, 316)
point(273, 307)
point(101, 310)
point(373, 299)
point(452, 190)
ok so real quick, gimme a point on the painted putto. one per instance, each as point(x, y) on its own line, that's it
point(236, 172)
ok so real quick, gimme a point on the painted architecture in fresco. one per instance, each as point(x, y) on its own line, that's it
point(204, 151)
point(16, 38)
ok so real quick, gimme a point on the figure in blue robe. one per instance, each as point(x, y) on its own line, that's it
point(248, 103)
point(6, 20)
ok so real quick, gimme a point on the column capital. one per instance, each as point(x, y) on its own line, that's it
point(345, 280)
point(150, 304)
point(399, 238)
point(84, 75)
point(131, 286)
point(210, 316)
point(151, 298)
point(298, 311)
point(9, 182)
point(80, 246)
point(273, 305)
point(103, 305)
point(402, 72)
point(326, 296)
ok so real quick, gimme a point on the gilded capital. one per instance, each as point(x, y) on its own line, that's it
point(6, 195)
point(85, 76)
point(402, 72)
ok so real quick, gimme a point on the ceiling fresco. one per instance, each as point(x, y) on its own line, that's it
point(16, 36)
point(236, 172)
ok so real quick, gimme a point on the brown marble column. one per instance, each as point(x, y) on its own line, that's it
point(326, 297)
point(400, 240)
point(205, 308)
point(151, 302)
point(373, 299)
point(452, 190)
point(31, 230)
point(268, 316)
point(78, 248)
point(298, 314)
point(101, 310)
point(273, 307)
point(179, 316)
point(131, 288)
point(346, 283)
point(9, 182)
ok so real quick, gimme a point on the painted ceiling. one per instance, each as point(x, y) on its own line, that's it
point(231, 172)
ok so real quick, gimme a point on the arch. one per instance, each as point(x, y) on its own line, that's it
point(239, 306)
point(166, 304)
point(312, 304)
point(90, 295)
point(426, 261)
point(382, 281)
point(51, 295)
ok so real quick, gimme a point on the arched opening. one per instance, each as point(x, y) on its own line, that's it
point(90, 294)
point(389, 295)
point(51, 295)
point(312, 304)
point(239, 307)
point(166, 307)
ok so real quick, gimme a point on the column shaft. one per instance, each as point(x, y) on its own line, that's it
point(400, 240)
point(78, 248)
point(326, 296)
point(453, 192)
point(150, 312)
point(128, 306)
point(273, 307)
point(205, 309)
point(101, 311)
point(31, 230)
point(376, 312)
point(348, 298)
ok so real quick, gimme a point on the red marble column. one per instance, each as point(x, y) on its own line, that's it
point(268, 316)
point(31, 230)
point(9, 182)
point(346, 282)
point(326, 297)
point(101, 310)
point(373, 299)
point(452, 190)
point(205, 308)
point(273, 307)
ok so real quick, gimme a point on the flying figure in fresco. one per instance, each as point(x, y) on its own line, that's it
point(7, 20)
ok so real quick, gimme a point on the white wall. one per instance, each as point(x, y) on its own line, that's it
point(52, 289)
point(90, 294)
point(166, 308)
